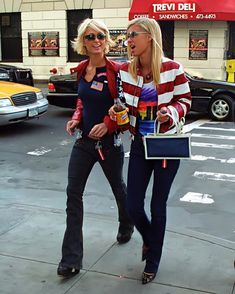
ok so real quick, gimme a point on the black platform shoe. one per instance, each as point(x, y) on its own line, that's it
point(124, 233)
point(67, 272)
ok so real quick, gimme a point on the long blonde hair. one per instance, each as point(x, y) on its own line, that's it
point(97, 25)
point(152, 27)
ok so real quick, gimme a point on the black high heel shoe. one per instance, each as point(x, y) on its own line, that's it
point(148, 277)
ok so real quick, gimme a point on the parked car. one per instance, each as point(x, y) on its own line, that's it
point(216, 98)
point(16, 74)
point(20, 102)
point(62, 90)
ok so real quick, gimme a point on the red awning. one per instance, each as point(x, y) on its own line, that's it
point(183, 10)
point(139, 8)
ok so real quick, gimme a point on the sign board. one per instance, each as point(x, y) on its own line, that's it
point(198, 44)
point(43, 43)
point(207, 10)
point(120, 48)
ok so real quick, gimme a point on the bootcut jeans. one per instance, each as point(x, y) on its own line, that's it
point(83, 157)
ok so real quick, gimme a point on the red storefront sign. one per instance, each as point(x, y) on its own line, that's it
point(183, 10)
point(139, 8)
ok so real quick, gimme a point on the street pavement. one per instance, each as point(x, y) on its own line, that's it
point(32, 224)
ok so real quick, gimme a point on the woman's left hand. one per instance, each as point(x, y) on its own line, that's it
point(162, 115)
point(98, 131)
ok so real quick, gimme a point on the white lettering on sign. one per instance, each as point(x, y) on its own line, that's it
point(186, 7)
point(163, 7)
point(168, 7)
point(141, 15)
point(173, 16)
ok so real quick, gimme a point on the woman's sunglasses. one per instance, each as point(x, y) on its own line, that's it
point(92, 37)
point(134, 34)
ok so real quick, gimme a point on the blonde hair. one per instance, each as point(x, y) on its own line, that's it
point(152, 27)
point(78, 43)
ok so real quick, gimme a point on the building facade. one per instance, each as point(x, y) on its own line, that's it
point(38, 33)
point(198, 33)
point(28, 26)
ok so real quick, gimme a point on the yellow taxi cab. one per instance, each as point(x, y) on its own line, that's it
point(20, 102)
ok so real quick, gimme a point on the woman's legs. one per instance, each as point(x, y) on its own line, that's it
point(80, 165)
point(162, 181)
point(139, 174)
point(113, 169)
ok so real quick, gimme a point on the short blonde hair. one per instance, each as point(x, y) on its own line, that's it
point(152, 27)
point(97, 25)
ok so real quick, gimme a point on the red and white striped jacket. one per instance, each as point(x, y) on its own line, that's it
point(173, 92)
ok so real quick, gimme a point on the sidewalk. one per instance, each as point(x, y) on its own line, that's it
point(32, 224)
point(30, 241)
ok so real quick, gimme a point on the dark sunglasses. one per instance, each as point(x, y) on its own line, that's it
point(92, 37)
point(134, 34)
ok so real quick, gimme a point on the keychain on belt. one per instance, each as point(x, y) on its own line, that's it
point(98, 147)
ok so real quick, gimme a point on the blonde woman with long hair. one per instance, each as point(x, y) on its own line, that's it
point(153, 86)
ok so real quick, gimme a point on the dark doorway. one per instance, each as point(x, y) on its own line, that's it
point(231, 45)
point(11, 40)
point(74, 18)
point(167, 28)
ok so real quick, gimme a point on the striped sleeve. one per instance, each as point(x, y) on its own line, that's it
point(182, 98)
point(174, 91)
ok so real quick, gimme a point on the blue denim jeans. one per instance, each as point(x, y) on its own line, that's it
point(151, 229)
point(83, 157)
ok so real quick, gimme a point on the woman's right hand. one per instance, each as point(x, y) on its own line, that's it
point(112, 113)
point(162, 115)
point(71, 126)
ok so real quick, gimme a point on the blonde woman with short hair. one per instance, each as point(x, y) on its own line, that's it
point(97, 141)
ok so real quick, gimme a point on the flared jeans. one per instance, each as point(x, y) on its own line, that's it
point(83, 157)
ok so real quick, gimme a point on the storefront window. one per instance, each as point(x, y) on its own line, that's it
point(10, 37)
point(74, 18)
